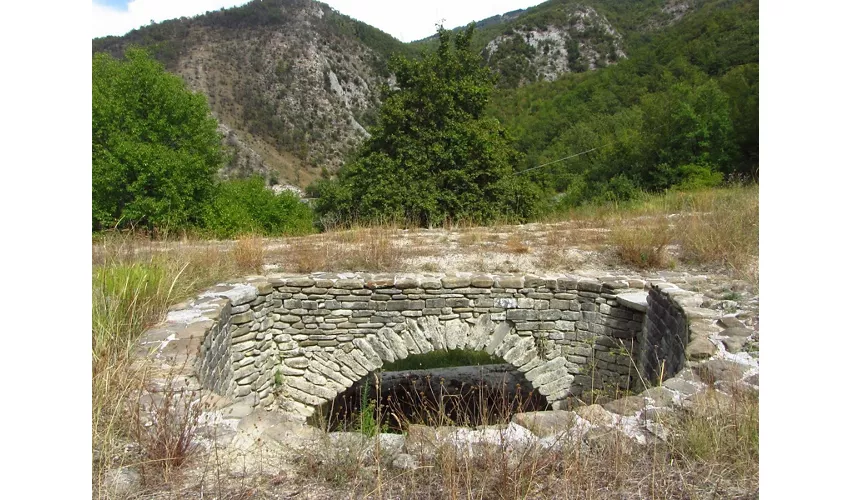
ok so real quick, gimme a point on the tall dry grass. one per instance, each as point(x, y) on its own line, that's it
point(643, 243)
point(711, 452)
point(721, 226)
point(710, 227)
point(133, 284)
point(248, 254)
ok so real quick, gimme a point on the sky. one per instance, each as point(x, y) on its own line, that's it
point(407, 20)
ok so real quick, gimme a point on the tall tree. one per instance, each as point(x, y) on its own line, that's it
point(155, 147)
point(433, 156)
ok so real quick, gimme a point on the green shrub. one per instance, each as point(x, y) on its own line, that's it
point(245, 206)
point(698, 177)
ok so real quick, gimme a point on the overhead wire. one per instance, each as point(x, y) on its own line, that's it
point(562, 159)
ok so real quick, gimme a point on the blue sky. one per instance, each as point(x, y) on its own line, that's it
point(115, 4)
point(406, 20)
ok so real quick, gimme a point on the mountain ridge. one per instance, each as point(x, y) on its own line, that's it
point(296, 84)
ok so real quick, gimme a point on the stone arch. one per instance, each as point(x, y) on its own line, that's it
point(328, 374)
point(308, 337)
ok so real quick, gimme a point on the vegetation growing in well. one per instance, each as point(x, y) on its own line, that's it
point(442, 359)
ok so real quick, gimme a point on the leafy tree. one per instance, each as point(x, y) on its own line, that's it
point(155, 147)
point(683, 126)
point(434, 155)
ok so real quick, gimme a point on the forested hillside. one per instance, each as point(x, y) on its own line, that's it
point(683, 108)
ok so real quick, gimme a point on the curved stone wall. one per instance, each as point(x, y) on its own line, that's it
point(311, 337)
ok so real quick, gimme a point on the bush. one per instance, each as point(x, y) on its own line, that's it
point(698, 177)
point(245, 206)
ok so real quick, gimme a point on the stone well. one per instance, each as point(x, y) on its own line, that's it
point(301, 340)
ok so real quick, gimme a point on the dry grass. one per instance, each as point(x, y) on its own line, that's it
point(722, 227)
point(643, 244)
point(715, 227)
point(713, 453)
point(248, 254)
point(516, 245)
point(374, 249)
point(165, 421)
point(134, 281)
point(723, 430)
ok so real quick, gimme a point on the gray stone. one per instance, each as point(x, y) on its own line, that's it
point(298, 362)
point(516, 354)
point(122, 482)
point(700, 313)
point(391, 444)
point(394, 341)
point(300, 282)
point(481, 281)
point(629, 405)
point(719, 369)
point(548, 366)
point(499, 333)
point(349, 284)
point(658, 414)
point(546, 423)
point(730, 321)
point(734, 344)
point(633, 300)
point(384, 352)
point(662, 396)
point(312, 389)
point(700, 348)
point(455, 281)
point(404, 461)
point(589, 286)
point(406, 282)
point(737, 332)
point(515, 282)
point(753, 379)
point(682, 386)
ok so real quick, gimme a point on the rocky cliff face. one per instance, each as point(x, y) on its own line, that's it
point(524, 54)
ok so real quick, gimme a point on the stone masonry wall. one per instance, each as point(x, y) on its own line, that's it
point(319, 334)
point(665, 335)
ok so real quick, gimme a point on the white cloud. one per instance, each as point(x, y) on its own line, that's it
point(110, 21)
point(404, 19)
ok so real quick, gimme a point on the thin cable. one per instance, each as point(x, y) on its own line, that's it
point(562, 159)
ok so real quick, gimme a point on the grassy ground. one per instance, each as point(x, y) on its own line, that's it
point(135, 280)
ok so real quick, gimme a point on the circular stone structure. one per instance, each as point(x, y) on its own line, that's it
point(300, 340)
